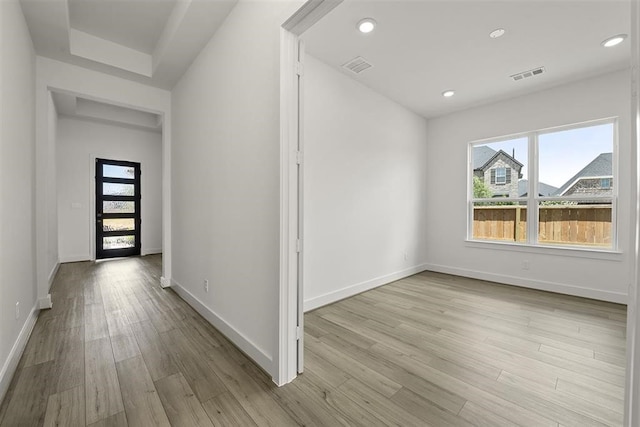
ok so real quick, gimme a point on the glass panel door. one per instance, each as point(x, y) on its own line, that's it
point(117, 208)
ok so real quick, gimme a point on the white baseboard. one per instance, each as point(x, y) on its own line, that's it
point(151, 252)
point(52, 275)
point(349, 291)
point(541, 285)
point(75, 258)
point(10, 365)
point(243, 343)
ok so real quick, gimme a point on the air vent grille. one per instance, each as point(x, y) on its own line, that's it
point(357, 65)
point(527, 74)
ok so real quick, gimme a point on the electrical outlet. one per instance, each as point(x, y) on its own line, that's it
point(206, 285)
point(17, 310)
point(405, 256)
point(525, 264)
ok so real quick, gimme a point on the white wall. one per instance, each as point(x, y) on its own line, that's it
point(365, 196)
point(79, 143)
point(17, 169)
point(604, 277)
point(51, 258)
point(226, 179)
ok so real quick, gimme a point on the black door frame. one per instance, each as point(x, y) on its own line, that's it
point(102, 253)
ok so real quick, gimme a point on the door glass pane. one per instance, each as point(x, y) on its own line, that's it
point(117, 206)
point(118, 224)
point(118, 242)
point(114, 189)
point(112, 171)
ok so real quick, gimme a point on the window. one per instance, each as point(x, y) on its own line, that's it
point(556, 187)
point(501, 176)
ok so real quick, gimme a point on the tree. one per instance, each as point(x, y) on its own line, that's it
point(480, 189)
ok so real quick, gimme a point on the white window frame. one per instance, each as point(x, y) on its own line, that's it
point(532, 201)
point(504, 181)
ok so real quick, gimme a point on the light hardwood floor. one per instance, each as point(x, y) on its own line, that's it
point(431, 349)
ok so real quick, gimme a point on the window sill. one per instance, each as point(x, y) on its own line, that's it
point(567, 251)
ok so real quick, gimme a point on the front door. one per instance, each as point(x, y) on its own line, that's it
point(117, 208)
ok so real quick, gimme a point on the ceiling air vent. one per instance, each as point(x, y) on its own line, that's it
point(527, 74)
point(357, 65)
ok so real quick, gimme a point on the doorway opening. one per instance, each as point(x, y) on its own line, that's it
point(118, 217)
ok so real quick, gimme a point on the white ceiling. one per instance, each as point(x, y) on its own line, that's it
point(422, 48)
point(148, 41)
point(136, 24)
point(69, 105)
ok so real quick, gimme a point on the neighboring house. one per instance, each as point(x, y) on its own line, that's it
point(499, 171)
point(595, 179)
point(544, 190)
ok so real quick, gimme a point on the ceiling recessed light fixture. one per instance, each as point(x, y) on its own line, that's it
point(448, 93)
point(615, 40)
point(497, 33)
point(366, 25)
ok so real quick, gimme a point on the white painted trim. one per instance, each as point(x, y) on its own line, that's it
point(286, 367)
point(349, 291)
point(248, 347)
point(151, 251)
point(164, 282)
point(285, 364)
point(541, 285)
point(10, 365)
point(310, 13)
point(76, 258)
point(632, 389)
point(52, 275)
point(45, 303)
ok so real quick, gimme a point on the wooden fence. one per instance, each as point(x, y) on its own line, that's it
point(559, 224)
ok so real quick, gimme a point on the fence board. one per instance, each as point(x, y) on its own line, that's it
point(558, 224)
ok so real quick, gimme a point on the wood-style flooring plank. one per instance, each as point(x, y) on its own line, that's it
point(66, 408)
point(68, 363)
point(248, 389)
point(203, 380)
point(29, 399)
point(224, 410)
point(44, 342)
point(156, 356)
point(117, 420)
point(182, 406)
point(95, 322)
point(103, 395)
point(141, 401)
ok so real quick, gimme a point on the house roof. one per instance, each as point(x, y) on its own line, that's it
point(543, 189)
point(483, 155)
point(600, 166)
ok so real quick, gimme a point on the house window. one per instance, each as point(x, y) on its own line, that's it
point(565, 193)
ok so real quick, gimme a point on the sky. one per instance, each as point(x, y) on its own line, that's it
point(562, 154)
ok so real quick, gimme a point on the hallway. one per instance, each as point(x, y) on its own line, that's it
point(116, 349)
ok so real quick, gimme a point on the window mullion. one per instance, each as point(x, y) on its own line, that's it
point(532, 199)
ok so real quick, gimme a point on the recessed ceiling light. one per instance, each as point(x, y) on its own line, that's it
point(448, 93)
point(615, 40)
point(497, 33)
point(366, 25)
